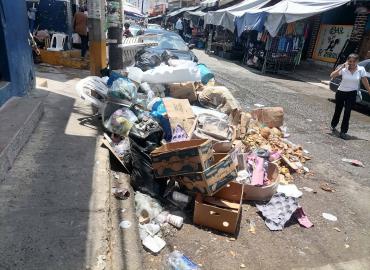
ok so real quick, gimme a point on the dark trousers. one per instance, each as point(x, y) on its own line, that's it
point(346, 100)
point(84, 45)
point(181, 33)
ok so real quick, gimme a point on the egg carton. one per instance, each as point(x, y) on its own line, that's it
point(278, 211)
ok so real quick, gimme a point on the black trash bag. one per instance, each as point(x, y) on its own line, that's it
point(144, 138)
point(146, 60)
point(167, 55)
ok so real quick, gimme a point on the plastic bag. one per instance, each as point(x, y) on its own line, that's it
point(167, 55)
point(123, 88)
point(113, 76)
point(205, 73)
point(159, 113)
point(144, 138)
point(146, 60)
point(121, 121)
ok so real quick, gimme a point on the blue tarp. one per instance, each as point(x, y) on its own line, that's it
point(249, 22)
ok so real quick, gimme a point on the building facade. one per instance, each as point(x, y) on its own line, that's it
point(16, 64)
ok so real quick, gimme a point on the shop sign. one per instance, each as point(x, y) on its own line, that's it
point(330, 41)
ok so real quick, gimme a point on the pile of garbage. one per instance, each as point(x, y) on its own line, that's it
point(188, 145)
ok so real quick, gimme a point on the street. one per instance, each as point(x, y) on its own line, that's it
point(344, 244)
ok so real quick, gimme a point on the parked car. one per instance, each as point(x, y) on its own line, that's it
point(334, 83)
point(169, 41)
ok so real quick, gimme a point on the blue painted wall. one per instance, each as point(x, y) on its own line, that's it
point(16, 55)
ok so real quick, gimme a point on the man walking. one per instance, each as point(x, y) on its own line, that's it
point(180, 27)
point(80, 27)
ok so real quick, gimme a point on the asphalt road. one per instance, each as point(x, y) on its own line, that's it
point(307, 114)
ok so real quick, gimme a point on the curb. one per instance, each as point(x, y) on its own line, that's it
point(125, 244)
point(21, 136)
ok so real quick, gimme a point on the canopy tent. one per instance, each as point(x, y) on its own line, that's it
point(287, 11)
point(132, 11)
point(181, 10)
point(195, 16)
point(226, 17)
point(155, 17)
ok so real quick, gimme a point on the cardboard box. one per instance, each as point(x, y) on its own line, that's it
point(179, 112)
point(222, 211)
point(220, 173)
point(183, 91)
point(269, 116)
point(182, 157)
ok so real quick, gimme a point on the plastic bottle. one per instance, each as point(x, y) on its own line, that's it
point(180, 197)
point(178, 261)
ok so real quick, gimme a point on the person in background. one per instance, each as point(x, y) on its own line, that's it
point(346, 94)
point(180, 27)
point(127, 33)
point(31, 13)
point(80, 27)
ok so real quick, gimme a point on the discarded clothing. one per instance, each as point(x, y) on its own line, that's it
point(302, 218)
point(289, 190)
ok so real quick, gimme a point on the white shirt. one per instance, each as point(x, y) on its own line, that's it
point(351, 81)
point(179, 25)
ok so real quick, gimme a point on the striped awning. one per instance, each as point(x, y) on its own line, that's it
point(209, 3)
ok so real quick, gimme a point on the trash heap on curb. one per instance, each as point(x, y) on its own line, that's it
point(188, 145)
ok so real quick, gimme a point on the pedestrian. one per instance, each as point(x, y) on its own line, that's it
point(346, 94)
point(80, 27)
point(180, 27)
point(127, 33)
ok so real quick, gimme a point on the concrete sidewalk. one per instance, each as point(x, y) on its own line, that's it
point(55, 199)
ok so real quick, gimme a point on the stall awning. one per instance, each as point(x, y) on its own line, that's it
point(181, 10)
point(132, 11)
point(287, 11)
point(226, 17)
point(209, 3)
point(155, 17)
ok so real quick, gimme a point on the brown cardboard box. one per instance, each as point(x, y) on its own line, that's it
point(222, 211)
point(214, 178)
point(183, 91)
point(269, 116)
point(179, 112)
point(182, 157)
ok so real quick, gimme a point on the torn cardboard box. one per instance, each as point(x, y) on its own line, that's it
point(269, 116)
point(220, 173)
point(183, 91)
point(222, 211)
point(179, 112)
point(182, 157)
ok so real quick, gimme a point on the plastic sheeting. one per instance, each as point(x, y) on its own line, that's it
point(287, 11)
point(226, 17)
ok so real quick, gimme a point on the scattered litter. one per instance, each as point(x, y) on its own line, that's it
point(242, 265)
point(308, 189)
point(176, 221)
point(327, 187)
point(154, 243)
point(123, 210)
point(121, 193)
point(302, 218)
point(259, 105)
point(290, 190)
point(354, 162)
point(115, 175)
point(346, 245)
point(252, 226)
point(309, 120)
point(329, 217)
point(125, 224)
point(337, 229)
point(101, 262)
point(307, 170)
point(177, 260)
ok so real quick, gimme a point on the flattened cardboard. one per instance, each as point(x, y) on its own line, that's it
point(218, 215)
point(220, 173)
point(179, 112)
point(182, 157)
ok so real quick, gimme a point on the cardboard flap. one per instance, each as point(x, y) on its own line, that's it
point(179, 112)
point(221, 203)
point(178, 146)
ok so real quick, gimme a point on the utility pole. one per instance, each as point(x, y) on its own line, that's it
point(98, 50)
point(115, 16)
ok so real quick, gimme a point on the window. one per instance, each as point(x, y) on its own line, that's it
point(367, 67)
